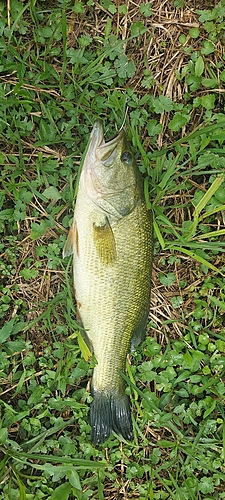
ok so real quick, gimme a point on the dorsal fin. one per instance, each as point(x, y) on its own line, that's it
point(71, 244)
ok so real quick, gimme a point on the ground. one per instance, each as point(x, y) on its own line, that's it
point(64, 64)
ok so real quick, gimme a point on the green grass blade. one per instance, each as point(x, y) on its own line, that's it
point(159, 234)
point(197, 257)
point(221, 208)
point(217, 302)
point(64, 65)
point(199, 131)
point(212, 234)
point(146, 193)
point(77, 462)
point(208, 195)
point(17, 21)
point(100, 488)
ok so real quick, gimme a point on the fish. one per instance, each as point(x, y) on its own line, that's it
point(111, 243)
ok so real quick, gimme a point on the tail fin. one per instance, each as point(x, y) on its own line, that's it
point(110, 412)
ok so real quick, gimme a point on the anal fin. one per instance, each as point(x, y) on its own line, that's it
point(139, 333)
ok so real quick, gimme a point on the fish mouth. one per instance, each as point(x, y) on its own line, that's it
point(106, 151)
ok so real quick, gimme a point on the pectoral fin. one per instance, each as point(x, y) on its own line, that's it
point(71, 244)
point(105, 242)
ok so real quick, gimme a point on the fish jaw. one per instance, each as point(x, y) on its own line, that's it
point(110, 177)
point(101, 150)
point(96, 137)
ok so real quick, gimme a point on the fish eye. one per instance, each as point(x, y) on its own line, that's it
point(126, 157)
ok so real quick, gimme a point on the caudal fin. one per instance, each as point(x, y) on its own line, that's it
point(110, 412)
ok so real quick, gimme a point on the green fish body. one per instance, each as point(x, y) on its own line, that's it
point(111, 241)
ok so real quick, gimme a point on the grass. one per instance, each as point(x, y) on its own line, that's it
point(63, 64)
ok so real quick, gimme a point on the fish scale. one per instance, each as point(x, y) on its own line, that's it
point(111, 240)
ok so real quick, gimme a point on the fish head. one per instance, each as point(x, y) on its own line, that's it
point(110, 176)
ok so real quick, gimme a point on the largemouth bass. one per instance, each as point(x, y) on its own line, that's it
point(111, 242)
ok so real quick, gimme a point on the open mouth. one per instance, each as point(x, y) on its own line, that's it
point(104, 149)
